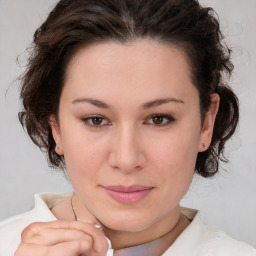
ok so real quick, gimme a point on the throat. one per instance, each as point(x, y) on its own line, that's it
point(155, 239)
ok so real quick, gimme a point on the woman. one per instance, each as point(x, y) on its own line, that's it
point(129, 97)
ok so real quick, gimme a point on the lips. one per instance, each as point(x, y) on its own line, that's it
point(128, 195)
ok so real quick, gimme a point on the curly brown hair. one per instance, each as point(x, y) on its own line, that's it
point(72, 24)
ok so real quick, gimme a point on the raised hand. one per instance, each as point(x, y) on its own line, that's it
point(62, 238)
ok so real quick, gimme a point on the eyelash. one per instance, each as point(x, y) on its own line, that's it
point(169, 119)
point(87, 119)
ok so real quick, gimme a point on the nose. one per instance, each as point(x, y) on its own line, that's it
point(127, 153)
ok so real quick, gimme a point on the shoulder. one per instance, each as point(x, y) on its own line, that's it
point(200, 240)
point(16, 221)
point(11, 229)
point(217, 243)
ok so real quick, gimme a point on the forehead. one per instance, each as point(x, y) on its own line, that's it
point(138, 53)
point(145, 66)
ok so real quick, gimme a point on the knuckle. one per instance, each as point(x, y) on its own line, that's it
point(84, 244)
point(31, 230)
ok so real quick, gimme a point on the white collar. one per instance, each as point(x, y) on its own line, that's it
point(192, 236)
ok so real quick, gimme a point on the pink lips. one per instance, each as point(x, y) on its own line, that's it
point(128, 195)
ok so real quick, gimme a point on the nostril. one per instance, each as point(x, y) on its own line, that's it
point(127, 163)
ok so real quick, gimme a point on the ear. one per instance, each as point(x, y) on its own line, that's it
point(56, 134)
point(208, 124)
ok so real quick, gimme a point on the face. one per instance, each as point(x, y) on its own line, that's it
point(130, 128)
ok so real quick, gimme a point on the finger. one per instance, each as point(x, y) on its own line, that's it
point(31, 250)
point(51, 237)
point(71, 248)
point(99, 239)
point(42, 230)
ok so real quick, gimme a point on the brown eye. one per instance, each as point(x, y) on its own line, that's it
point(97, 120)
point(160, 120)
point(157, 120)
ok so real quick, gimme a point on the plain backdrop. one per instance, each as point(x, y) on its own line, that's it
point(227, 202)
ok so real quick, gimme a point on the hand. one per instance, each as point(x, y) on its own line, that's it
point(62, 238)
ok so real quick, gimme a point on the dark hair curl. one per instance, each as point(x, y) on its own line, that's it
point(73, 24)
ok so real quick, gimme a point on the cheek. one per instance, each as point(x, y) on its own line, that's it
point(83, 155)
point(175, 159)
point(175, 153)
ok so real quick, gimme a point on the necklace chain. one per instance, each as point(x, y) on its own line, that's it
point(71, 202)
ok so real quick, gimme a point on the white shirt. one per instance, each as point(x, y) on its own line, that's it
point(196, 240)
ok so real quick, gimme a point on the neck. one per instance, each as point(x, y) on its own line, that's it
point(80, 212)
point(170, 226)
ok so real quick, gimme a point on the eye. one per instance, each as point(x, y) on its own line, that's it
point(95, 121)
point(160, 120)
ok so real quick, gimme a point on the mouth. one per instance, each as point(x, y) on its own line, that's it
point(128, 195)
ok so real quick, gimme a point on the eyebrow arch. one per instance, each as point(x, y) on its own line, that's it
point(97, 103)
point(101, 104)
point(159, 102)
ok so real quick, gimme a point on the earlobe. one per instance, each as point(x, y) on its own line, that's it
point(56, 134)
point(59, 150)
point(208, 125)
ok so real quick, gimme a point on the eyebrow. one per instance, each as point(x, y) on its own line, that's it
point(150, 104)
point(159, 102)
point(97, 103)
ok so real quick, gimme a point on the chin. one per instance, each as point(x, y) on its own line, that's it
point(127, 222)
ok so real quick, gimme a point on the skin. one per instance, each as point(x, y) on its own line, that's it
point(127, 145)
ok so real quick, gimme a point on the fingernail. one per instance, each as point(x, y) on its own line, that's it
point(98, 226)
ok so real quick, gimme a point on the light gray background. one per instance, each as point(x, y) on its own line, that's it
point(227, 202)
